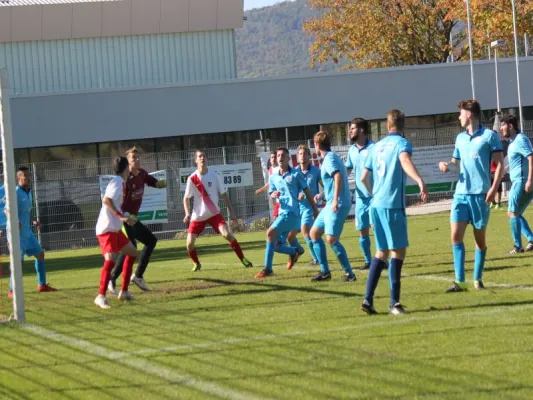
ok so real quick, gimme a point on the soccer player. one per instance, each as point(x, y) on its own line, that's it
point(29, 244)
point(473, 152)
point(357, 156)
point(131, 204)
point(389, 163)
point(205, 186)
point(110, 236)
point(521, 172)
point(307, 217)
point(332, 217)
point(285, 185)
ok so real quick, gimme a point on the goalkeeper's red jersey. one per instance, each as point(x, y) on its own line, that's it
point(133, 197)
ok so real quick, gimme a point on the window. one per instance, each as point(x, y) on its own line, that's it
point(63, 153)
point(114, 149)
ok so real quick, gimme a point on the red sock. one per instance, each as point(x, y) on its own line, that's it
point(194, 256)
point(105, 276)
point(127, 269)
point(237, 249)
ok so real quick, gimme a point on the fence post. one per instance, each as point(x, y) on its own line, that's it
point(224, 158)
point(36, 198)
point(287, 137)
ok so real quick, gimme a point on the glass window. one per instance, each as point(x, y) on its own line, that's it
point(420, 122)
point(22, 156)
point(114, 149)
point(338, 132)
point(297, 133)
point(241, 138)
point(310, 131)
point(61, 153)
point(168, 144)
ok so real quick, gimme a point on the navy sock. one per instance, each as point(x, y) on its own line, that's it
point(376, 266)
point(395, 274)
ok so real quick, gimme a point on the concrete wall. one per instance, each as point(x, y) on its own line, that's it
point(101, 18)
point(102, 116)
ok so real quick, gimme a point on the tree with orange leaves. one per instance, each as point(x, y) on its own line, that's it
point(391, 33)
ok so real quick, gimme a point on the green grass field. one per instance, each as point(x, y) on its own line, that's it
point(220, 333)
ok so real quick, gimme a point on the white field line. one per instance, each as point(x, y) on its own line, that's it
point(392, 321)
point(450, 279)
point(139, 364)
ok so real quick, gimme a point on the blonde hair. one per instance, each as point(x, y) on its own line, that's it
point(396, 120)
point(323, 139)
point(304, 148)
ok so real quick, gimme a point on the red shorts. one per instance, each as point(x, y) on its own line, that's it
point(112, 242)
point(275, 211)
point(197, 227)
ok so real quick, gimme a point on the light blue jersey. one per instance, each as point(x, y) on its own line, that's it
point(289, 185)
point(519, 150)
point(331, 165)
point(387, 172)
point(24, 204)
point(313, 179)
point(475, 153)
point(356, 160)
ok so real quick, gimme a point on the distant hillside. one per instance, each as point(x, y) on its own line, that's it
point(272, 41)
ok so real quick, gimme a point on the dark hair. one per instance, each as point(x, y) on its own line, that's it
point(120, 164)
point(323, 139)
point(283, 149)
point(200, 151)
point(396, 119)
point(23, 169)
point(472, 106)
point(360, 123)
point(510, 120)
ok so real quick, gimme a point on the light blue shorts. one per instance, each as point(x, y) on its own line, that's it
point(29, 246)
point(332, 223)
point(306, 217)
point(286, 223)
point(390, 228)
point(470, 208)
point(518, 198)
point(362, 213)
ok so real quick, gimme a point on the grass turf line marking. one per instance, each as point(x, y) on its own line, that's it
point(139, 364)
point(392, 322)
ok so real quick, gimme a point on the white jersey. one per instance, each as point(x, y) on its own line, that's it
point(107, 220)
point(205, 190)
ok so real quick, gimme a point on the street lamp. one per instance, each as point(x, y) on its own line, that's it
point(517, 66)
point(495, 44)
point(471, 51)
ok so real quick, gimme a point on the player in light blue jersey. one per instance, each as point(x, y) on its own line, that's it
point(474, 150)
point(29, 246)
point(285, 184)
point(389, 163)
point(357, 156)
point(332, 217)
point(520, 155)
point(307, 217)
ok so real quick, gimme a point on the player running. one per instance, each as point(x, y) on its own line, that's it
point(520, 155)
point(110, 236)
point(474, 150)
point(205, 186)
point(332, 217)
point(389, 162)
point(29, 245)
point(357, 156)
point(131, 205)
point(285, 185)
point(307, 216)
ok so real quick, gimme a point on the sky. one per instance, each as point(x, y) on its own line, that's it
point(249, 4)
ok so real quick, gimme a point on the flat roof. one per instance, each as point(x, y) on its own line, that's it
point(27, 20)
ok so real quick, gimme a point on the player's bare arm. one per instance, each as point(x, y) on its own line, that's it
point(229, 206)
point(447, 166)
point(337, 192)
point(109, 204)
point(497, 157)
point(529, 182)
point(365, 180)
point(412, 172)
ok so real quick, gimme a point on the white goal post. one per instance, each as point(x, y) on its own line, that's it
point(13, 235)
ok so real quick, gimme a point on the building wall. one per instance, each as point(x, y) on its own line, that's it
point(53, 66)
point(246, 105)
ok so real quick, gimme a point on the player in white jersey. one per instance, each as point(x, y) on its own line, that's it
point(110, 236)
point(204, 186)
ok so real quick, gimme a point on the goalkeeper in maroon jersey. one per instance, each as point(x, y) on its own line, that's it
point(133, 197)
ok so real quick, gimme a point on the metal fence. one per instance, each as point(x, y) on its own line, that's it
point(67, 193)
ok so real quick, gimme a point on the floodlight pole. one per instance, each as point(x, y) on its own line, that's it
point(517, 66)
point(13, 233)
point(470, 48)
